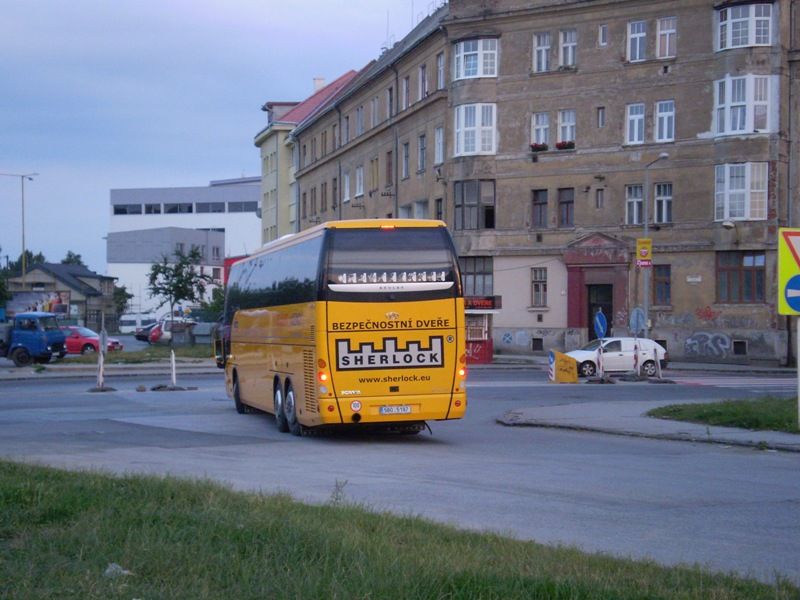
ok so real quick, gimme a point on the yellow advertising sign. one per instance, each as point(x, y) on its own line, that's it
point(788, 271)
point(644, 252)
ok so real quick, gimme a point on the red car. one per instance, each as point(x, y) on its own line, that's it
point(81, 340)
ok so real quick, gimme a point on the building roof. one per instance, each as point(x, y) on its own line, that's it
point(69, 275)
point(308, 106)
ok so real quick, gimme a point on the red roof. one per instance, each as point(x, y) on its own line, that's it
point(317, 99)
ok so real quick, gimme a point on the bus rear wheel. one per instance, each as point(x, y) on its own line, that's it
point(280, 416)
point(290, 412)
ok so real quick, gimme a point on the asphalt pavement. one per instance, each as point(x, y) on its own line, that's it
point(610, 417)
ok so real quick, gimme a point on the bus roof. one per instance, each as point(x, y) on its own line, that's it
point(294, 238)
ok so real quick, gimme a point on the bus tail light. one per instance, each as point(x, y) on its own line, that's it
point(322, 376)
point(462, 372)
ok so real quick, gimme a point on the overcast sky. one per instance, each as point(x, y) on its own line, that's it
point(98, 95)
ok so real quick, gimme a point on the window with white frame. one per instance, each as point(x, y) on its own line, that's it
point(540, 128)
point(740, 191)
point(405, 212)
point(539, 286)
point(475, 58)
point(346, 186)
point(422, 84)
point(637, 41)
point(665, 121)
point(634, 131)
point(601, 117)
point(742, 105)
point(405, 93)
point(744, 25)
point(440, 71)
point(667, 37)
point(634, 202)
point(359, 180)
point(475, 129)
point(569, 44)
point(602, 35)
point(359, 120)
point(422, 152)
point(566, 125)
point(438, 145)
point(541, 52)
point(373, 110)
point(663, 198)
point(390, 102)
point(405, 160)
point(420, 209)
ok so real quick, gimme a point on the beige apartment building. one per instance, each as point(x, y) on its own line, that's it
point(552, 135)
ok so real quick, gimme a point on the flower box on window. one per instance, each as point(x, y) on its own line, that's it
point(538, 147)
point(565, 145)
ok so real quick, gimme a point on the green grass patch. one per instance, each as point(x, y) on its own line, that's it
point(149, 354)
point(764, 414)
point(60, 530)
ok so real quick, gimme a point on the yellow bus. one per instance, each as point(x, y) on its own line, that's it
point(350, 323)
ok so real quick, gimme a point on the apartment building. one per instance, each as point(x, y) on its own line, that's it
point(552, 135)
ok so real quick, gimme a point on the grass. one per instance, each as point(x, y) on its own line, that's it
point(59, 532)
point(764, 414)
point(149, 354)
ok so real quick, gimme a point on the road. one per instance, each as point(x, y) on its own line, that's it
point(675, 502)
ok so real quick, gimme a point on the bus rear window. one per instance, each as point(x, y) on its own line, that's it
point(390, 260)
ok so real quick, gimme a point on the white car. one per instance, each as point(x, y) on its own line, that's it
point(619, 355)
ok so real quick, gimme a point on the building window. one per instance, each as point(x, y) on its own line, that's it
point(359, 180)
point(152, 209)
point(566, 207)
point(177, 208)
point(663, 193)
point(128, 209)
point(474, 204)
point(475, 129)
point(420, 209)
point(541, 52)
point(477, 275)
point(373, 114)
point(741, 277)
point(423, 82)
point(374, 172)
point(405, 93)
point(601, 117)
point(323, 196)
point(210, 207)
point(744, 25)
point(599, 197)
point(359, 120)
point(334, 193)
point(665, 121)
point(313, 209)
point(304, 206)
point(566, 126)
point(637, 41)
point(404, 212)
point(602, 36)
point(389, 168)
point(438, 145)
point(438, 206)
point(740, 192)
point(346, 129)
point(662, 286)
point(540, 124)
point(216, 252)
point(634, 132)
point(569, 43)
point(390, 101)
point(742, 105)
point(667, 37)
point(539, 209)
point(634, 202)
point(476, 58)
point(346, 186)
point(335, 136)
point(539, 286)
point(440, 71)
point(404, 164)
point(422, 152)
point(240, 207)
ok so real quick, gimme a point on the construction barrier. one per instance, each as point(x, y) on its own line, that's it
point(562, 368)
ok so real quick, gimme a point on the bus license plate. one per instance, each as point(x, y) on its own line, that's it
point(402, 409)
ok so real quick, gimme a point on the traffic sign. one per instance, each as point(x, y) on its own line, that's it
point(600, 324)
point(637, 321)
point(788, 271)
point(644, 252)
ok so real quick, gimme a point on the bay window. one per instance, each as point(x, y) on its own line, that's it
point(476, 58)
point(744, 25)
point(745, 104)
point(475, 129)
point(740, 191)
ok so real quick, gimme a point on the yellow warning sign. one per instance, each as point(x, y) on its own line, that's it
point(644, 252)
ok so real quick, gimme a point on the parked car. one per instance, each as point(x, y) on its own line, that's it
point(143, 333)
point(162, 332)
point(81, 340)
point(619, 354)
point(133, 322)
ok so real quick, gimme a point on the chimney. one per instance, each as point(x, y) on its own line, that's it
point(319, 83)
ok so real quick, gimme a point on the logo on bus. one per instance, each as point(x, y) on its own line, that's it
point(391, 356)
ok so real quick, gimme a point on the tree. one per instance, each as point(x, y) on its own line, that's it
point(5, 295)
point(72, 259)
point(121, 299)
point(15, 266)
point(176, 281)
point(216, 306)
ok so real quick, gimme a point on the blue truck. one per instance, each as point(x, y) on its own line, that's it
point(32, 337)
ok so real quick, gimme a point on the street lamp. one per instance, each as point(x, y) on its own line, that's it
point(22, 178)
point(646, 218)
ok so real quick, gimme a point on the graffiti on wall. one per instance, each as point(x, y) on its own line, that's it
point(707, 313)
point(702, 344)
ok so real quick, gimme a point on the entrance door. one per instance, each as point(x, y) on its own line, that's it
point(600, 297)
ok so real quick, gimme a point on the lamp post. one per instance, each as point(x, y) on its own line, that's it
point(646, 219)
point(22, 178)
